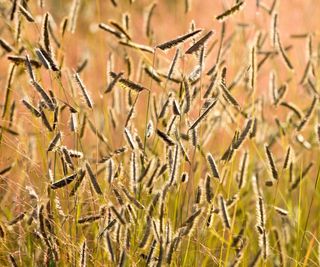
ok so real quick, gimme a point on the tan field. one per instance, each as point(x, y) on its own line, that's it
point(159, 133)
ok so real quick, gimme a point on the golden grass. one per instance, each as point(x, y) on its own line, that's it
point(141, 133)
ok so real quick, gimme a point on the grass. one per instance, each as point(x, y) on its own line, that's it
point(59, 206)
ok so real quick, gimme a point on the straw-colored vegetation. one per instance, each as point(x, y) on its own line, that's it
point(165, 133)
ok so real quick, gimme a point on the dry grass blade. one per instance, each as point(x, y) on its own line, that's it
point(261, 217)
point(8, 130)
point(187, 96)
point(8, 90)
point(288, 158)
point(100, 135)
point(128, 83)
point(118, 215)
point(261, 221)
point(89, 219)
point(6, 169)
point(191, 219)
point(239, 141)
point(11, 257)
point(230, 11)
point(83, 254)
point(166, 138)
point(298, 180)
point(255, 261)
point(45, 121)
point(133, 172)
point(77, 184)
point(178, 40)
point(203, 115)
point(64, 181)
point(175, 165)
point(243, 170)
point(281, 211)
point(110, 248)
point(54, 141)
point(29, 68)
point(224, 212)
point(120, 29)
point(6, 46)
point(17, 219)
point(93, 179)
point(44, 95)
point(272, 165)
point(283, 53)
point(30, 107)
point(254, 69)
point(13, 13)
point(26, 13)
point(82, 65)
point(308, 115)
point(73, 16)
point(20, 60)
point(173, 64)
point(114, 81)
point(213, 166)
point(225, 90)
point(45, 33)
point(84, 91)
point(47, 59)
point(129, 138)
point(280, 251)
point(194, 48)
point(209, 193)
point(133, 149)
point(152, 73)
point(109, 29)
point(42, 58)
point(148, 16)
point(132, 199)
point(293, 108)
point(137, 46)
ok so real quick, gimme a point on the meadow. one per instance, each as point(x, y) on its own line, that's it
point(159, 133)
